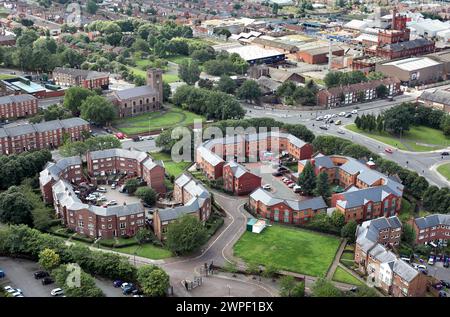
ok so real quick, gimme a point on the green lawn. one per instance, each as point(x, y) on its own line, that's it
point(156, 121)
point(177, 59)
point(340, 275)
point(290, 249)
point(444, 170)
point(148, 250)
point(417, 139)
point(7, 76)
point(168, 78)
point(172, 168)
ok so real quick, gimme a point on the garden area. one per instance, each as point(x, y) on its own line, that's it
point(146, 250)
point(290, 249)
point(348, 256)
point(444, 170)
point(172, 168)
point(417, 139)
point(156, 121)
point(340, 275)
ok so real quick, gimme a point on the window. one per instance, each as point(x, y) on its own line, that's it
point(286, 216)
point(122, 225)
point(275, 214)
point(80, 223)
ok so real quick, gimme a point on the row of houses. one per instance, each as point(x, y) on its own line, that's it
point(373, 257)
point(16, 138)
point(367, 193)
point(18, 106)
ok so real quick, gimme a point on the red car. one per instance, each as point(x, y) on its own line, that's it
point(120, 135)
point(388, 150)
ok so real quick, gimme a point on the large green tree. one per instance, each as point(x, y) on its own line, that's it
point(147, 194)
point(322, 186)
point(189, 72)
point(15, 208)
point(307, 179)
point(49, 259)
point(324, 288)
point(249, 91)
point(153, 280)
point(349, 231)
point(98, 109)
point(74, 97)
point(186, 235)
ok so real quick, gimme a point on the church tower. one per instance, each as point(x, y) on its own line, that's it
point(154, 80)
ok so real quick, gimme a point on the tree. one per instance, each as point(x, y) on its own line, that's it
point(398, 119)
point(102, 142)
point(49, 259)
point(91, 6)
point(349, 231)
point(408, 234)
point(381, 91)
point(147, 194)
point(365, 291)
point(98, 109)
point(322, 186)
point(205, 83)
point(153, 280)
point(324, 288)
point(143, 235)
point(249, 91)
point(165, 141)
point(287, 284)
point(445, 125)
point(338, 219)
point(307, 179)
point(131, 186)
point(185, 235)
point(74, 97)
point(167, 92)
point(189, 72)
point(226, 84)
point(87, 287)
point(15, 208)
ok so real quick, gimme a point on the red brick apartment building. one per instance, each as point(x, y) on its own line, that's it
point(17, 138)
point(79, 77)
point(287, 211)
point(382, 267)
point(18, 106)
point(107, 222)
point(239, 180)
point(432, 228)
point(191, 198)
point(365, 91)
point(368, 193)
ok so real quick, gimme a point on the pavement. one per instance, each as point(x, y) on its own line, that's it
point(19, 274)
point(421, 162)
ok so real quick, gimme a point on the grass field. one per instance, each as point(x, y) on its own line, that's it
point(340, 275)
point(444, 170)
point(148, 250)
point(156, 121)
point(417, 139)
point(290, 249)
point(172, 168)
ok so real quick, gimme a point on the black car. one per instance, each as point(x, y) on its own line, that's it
point(445, 154)
point(323, 127)
point(47, 280)
point(446, 264)
point(277, 174)
point(137, 292)
point(40, 274)
point(445, 283)
point(348, 115)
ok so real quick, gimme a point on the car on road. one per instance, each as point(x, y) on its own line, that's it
point(57, 292)
point(445, 283)
point(108, 130)
point(137, 138)
point(2, 274)
point(425, 272)
point(113, 186)
point(40, 274)
point(320, 118)
point(442, 294)
point(354, 111)
point(341, 132)
point(446, 264)
point(323, 127)
point(9, 289)
point(431, 261)
point(341, 114)
point(47, 280)
point(120, 135)
point(117, 283)
point(266, 186)
point(276, 174)
point(421, 267)
point(297, 188)
point(388, 150)
point(445, 153)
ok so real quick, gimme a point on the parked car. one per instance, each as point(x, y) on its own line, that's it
point(137, 138)
point(282, 168)
point(446, 264)
point(421, 267)
point(338, 122)
point(438, 286)
point(117, 283)
point(348, 115)
point(445, 283)
point(291, 185)
point(120, 135)
point(425, 272)
point(431, 261)
point(445, 154)
point(341, 114)
point(388, 150)
point(113, 186)
point(323, 127)
point(297, 188)
point(111, 203)
point(2, 274)
point(40, 274)
point(57, 292)
point(101, 189)
point(17, 293)
point(320, 118)
point(126, 284)
point(266, 186)
point(354, 289)
point(341, 132)
point(47, 280)
point(277, 174)
point(9, 289)
point(442, 294)
point(354, 111)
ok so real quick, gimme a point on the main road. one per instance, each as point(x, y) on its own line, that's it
point(422, 162)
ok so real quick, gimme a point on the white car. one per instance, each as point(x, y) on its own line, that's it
point(113, 186)
point(431, 261)
point(111, 203)
point(341, 114)
point(354, 111)
point(124, 285)
point(102, 198)
point(291, 185)
point(9, 289)
point(17, 293)
point(334, 115)
point(297, 188)
point(266, 186)
point(57, 292)
point(101, 189)
point(422, 267)
point(319, 118)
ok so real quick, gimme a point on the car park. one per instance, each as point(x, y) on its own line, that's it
point(445, 283)
point(101, 189)
point(117, 283)
point(57, 292)
point(40, 274)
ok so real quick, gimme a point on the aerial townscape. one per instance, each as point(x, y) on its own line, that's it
point(224, 149)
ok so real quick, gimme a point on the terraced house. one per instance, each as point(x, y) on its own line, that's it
point(79, 77)
point(239, 180)
point(282, 210)
point(367, 193)
point(191, 198)
point(432, 228)
point(18, 106)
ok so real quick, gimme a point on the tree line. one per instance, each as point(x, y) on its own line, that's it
point(294, 95)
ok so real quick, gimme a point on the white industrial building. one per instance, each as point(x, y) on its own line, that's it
point(428, 28)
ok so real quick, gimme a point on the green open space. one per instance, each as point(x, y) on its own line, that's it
point(7, 76)
point(146, 250)
point(444, 170)
point(172, 168)
point(156, 121)
point(340, 275)
point(290, 249)
point(417, 139)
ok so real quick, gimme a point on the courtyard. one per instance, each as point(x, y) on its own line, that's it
point(288, 248)
point(115, 194)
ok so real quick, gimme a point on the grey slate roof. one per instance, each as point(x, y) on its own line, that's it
point(370, 229)
point(53, 170)
point(16, 98)
point(438, 96)
point(101, 154)
point(401, 46)
point(432, 220)
point(361, 197)
point(135, 92)
point(21, 129)
point(404, 270)
point(323, 161)
point(237, 169)
point(209, 156)
point(73, 122)
point(48, 126)
point(269, 200)
point(85, 74)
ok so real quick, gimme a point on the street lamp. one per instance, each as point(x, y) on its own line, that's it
point(229, 290)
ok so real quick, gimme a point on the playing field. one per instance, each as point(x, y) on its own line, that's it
point(156, 121)
point(290, 249)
